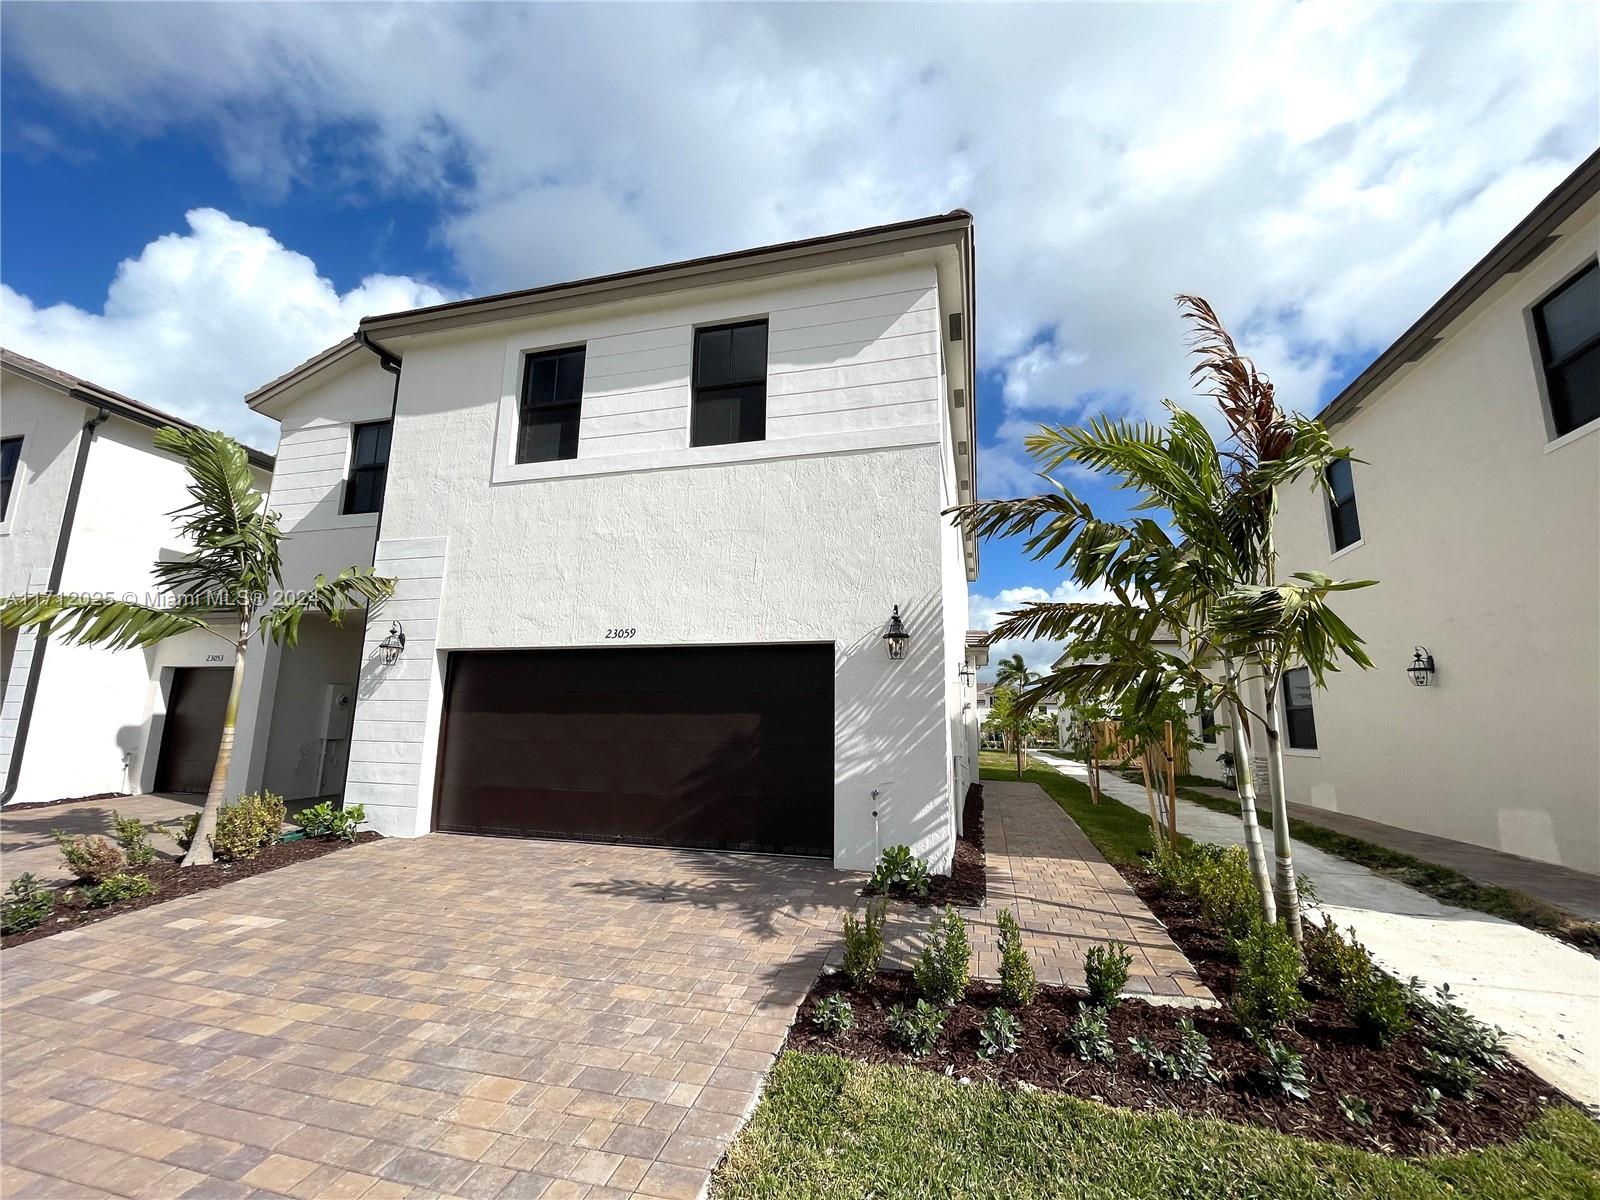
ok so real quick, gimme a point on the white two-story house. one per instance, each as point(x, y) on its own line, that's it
point(1474, 504)
point(85, 504)
point(672, 566)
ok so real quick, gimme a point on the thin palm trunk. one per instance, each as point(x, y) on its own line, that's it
point(1285, 891)
point(200, 853)
point(1244, 776)
point(1150, 798)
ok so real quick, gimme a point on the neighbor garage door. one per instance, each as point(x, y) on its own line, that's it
point(727, 747)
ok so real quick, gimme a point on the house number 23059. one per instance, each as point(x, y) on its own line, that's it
point(621, 633)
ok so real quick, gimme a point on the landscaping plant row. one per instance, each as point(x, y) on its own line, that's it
point(1325, 1046)
point(901, 874)
point(126, 873)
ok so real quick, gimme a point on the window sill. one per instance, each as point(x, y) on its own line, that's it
point(1292, 752)
point(1343, 550)
point(1576, 435)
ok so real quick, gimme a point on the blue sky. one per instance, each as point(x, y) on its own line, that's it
point(227, 191)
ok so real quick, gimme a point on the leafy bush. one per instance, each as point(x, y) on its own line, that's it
point(1284, 1069)
point(115, 888)
point(1222, 884)
point(25, 905)
point(863, 944)
point(1089, 1035)
point(1105, 973)
point(941, 970)
point(917, 1029)
point(88, 859)
point(324, 820)
point(1356, 1110)
point(1375, 1000)
point(134, 839)
point(1174, 865)
point(899, 868)
point(1018, 984)
point(1453, 1076)
point(1266, 992)
point(252, 821)
point(1189, 1060)
point(1427, 1108)
point(1455, 1033)
point(998, 1034)
point(833, 1016)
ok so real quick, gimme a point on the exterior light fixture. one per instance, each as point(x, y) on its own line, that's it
point(966, 672)
point(1421, 669)
point(393, 644)
point(896, 639)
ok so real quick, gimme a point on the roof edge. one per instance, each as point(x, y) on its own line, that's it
point(1511, 253)
point(322, 359)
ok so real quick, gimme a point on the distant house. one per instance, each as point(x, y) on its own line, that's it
point(1474, 504)
point(85, 499)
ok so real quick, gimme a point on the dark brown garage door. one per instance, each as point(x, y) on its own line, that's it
point(195, 710)
point(727, 747)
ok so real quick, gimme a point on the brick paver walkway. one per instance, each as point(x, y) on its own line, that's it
point(1066, 898)
point(467, 1017)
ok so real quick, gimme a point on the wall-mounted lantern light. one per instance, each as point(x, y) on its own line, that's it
point(966, 672)
point(393, 644)
point(1421, 668)
point(896, 639)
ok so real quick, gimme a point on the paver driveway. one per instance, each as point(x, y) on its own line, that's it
point(446, 1016)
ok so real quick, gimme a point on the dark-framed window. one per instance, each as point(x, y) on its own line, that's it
point(369, 468)
point(1208, 725)
point(730, 384)
point(10, 459)
point(1342, 504)
point(1299, 723)
point(1567, 323)
point(552, 405)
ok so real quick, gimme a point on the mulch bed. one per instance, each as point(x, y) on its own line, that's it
point(966, 886)
point(26, 808)
point(172, 882)
point(1337, 1062)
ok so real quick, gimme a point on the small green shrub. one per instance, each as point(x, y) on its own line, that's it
point(1454, 1033)
point(324, 820)
point(917, 1029)
point(252, 821)
point(1018, 984)
point(1223, 885)
point(1375, 1000)
point(1284, 1069)
point(1174, 865)
point(1266, 992)
point(1427, 1107)
point(1453, 1076)
point(88, 859)
point(899, 869)
point(941, 970)
point(25, 905)
point(1089, 1035)
point(863, 943)
point(1188, 1061)
point(1356, 1110)
point(183, 832)
point(134, 839)
point(1105, 972)
point(833, 1015)
point(998, 1034)
point(115, 888)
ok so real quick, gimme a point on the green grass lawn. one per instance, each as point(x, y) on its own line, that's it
point(1120, 833)
point(827, 1127)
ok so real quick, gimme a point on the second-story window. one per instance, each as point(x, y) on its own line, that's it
point(552, 404)
point(10, 457)
point(1207, 719)
point(730, 384)
point(369, 468)
point(1342, 505)
point(1568, 325)
point(1299, 723)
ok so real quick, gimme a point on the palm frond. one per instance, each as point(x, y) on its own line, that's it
point(91, 622)
point(351, 589)
point(236, 538)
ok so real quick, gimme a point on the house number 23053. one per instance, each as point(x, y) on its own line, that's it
point(621, 633)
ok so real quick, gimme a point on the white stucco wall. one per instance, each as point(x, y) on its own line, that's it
point(809, 536)
point(1481, 531)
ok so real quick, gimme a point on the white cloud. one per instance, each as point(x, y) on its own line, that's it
point(1320, 171)
point(984, 612)
point(200, 318)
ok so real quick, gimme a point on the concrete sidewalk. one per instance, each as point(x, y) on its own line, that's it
point(1543, 993)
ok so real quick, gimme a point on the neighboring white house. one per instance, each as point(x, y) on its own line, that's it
point(1475, 506)
point(650, 532)
point(84, 508)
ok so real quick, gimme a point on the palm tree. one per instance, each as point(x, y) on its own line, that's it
point(1013, 672)
point(227, 578)
point(1213, 579)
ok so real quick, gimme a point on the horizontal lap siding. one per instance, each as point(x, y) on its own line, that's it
point(846, 355)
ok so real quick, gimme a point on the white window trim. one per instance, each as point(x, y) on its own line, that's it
point(1536, 361)
point(1283, 713)
point(18, 485)
point(1576, 435)
point(1343, 550)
